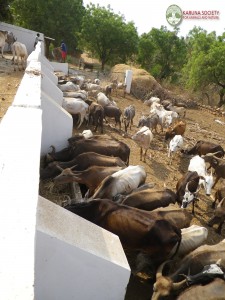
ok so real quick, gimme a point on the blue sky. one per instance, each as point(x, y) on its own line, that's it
point(151, 13)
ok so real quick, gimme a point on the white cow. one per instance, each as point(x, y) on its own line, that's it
point(103, 100)
point(76, 106)
point(143, 138)
point(121, 182)
point(197, 164)
point(174, 145)
point(192, 237)
point(3, 37)
point(68, 87)
point(19, 52)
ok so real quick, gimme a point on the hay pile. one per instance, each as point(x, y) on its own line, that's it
point(143, 84)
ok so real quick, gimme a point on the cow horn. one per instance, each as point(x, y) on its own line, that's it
point(58, 167)
point(211, 153)
point(73, 167)
point(178, 285)
point(160, 269)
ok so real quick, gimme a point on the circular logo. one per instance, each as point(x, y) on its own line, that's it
point(174, 15)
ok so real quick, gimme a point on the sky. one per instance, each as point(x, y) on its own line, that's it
point(147, 14)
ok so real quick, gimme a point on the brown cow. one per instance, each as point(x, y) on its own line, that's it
point(96, 115)
point(177, 129)
point(80, 163)
point(90, 177)
point(137, 229)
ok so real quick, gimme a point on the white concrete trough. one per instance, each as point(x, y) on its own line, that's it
point(75, 259)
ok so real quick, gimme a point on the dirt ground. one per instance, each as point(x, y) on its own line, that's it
point(200, 125)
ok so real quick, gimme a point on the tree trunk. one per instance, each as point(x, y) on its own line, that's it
point(222, 100)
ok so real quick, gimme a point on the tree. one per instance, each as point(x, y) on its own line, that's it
point(107, 36)
point(55, 18)
point(206, 62)
point(162, 52)
point(5, 14)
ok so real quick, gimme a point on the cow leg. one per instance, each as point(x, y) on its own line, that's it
point(219, 229)
point(141, 150)
point(81, 119)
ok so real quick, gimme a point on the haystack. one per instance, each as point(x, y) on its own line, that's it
point(143, 83)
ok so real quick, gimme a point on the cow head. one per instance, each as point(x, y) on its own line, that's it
point(188, 196)
point(207, 183)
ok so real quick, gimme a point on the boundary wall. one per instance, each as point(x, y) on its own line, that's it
point(46, 251)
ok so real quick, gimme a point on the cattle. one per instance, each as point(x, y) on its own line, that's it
point(150, 121)
point(103, 100)
point(3, 37)
point(121, 182)
point(128, 116)
point(194, 262)
point(210, 291)
point(76, 106)
point(19, 52)
point(104, 146)
point(175, 215)
point(113, 112)
point(177, 129)
point(149, 199)
point(204, 147)
point(197, 164)
point(192, 237)
point(10, 40)
point(219, 195)
point(163, 114)
point(174, 145)
point(143, 138)
point(218, 216)
point(218, 164)
point(138, 230)
point(96, 115)
point(83, 95)
point(121, 86)
point(87, 65)
point(69, 87)
point(90, 177)
point(181, 111)
point(80, 163)
point(151, 100)
point(187, 188)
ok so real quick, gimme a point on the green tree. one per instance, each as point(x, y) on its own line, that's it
point(206, 62)
point(55, 18)
point(162, 52)
point(5, 13)
point(107, 36)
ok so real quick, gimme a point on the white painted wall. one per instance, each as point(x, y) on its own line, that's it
point(76, 259)
point(63, 251)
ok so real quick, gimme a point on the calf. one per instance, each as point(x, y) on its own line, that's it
point(187, 188)
point(104, 146)
point(218, 216)
point(217, 164)
point(113, 112)
point(143, 138)
point(176, 129)
point(194, 262)
point(76, 106)
point(151, 122)
point(19, 52)
point(96, 114)
point(128, 116)
point(219, 195)
point(174, 145)
point(137, 230)
point(80, 163)
point(121, 182)
point(149, 199)
point(198, 164)
point(91, 177)
point(204, 147)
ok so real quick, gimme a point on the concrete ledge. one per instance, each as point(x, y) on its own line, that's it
point(76, 259)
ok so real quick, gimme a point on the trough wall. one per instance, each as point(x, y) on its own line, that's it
point(47, 252)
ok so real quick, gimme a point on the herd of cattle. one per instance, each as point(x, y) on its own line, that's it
point(19, 50)
point(153, 222)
